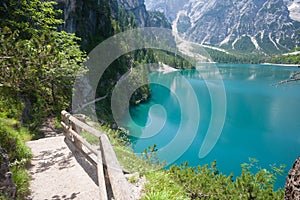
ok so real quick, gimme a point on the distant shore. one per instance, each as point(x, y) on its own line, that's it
point(287, 65)
point(166, 68)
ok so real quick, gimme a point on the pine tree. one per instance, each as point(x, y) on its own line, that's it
point(38, 65)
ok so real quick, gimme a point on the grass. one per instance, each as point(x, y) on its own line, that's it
point(22, 180)
point(129, 161)
point(12, 139)
point(160, 186)
point(90, 138)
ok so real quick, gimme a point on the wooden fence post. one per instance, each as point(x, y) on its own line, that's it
point(101, 177)
point(106, 161)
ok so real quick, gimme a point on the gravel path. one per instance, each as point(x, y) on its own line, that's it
point(58, 174)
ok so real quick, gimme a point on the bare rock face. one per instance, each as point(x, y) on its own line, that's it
point(265, 26)
point(292, 186)
point(294, 8)
point(7, 186)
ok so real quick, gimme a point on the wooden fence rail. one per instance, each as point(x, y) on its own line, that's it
point(110, 173)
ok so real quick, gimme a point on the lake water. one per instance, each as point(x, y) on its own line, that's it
point(261, 120)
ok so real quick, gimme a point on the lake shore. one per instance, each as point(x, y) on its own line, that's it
point(286, 65)
point(166, 68)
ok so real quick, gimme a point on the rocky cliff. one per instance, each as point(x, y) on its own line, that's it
point(293, 182)
point(267, 26)
point(92, 20)
point(96, 20)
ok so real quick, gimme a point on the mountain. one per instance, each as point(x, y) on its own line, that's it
point(262, 26)
point(294, 8)
point(92, 20)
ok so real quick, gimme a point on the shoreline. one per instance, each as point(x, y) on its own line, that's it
point(166, 68)
point(284, 65)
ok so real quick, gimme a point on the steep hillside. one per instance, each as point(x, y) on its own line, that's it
point(96, 20)
point(92, 20)
point(266, 26)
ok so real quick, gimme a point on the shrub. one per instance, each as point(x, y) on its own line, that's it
point(206, 182)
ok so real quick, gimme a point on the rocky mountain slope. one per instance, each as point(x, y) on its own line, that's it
point(92, 20)
point(264, 26)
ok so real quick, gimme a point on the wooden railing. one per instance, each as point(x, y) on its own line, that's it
point(110, 174)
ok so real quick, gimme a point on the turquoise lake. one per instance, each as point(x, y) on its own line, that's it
point(261, 119)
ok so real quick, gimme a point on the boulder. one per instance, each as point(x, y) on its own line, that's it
point(292, 185)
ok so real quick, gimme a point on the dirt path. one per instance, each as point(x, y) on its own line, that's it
point(59, 174)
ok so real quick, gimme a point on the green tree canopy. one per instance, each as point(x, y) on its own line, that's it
point(37, 64)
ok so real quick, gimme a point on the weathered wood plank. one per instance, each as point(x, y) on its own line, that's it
point(106, 157)
point(101, 178)
point(68, 116)
point(117, 179)
point(80, 139)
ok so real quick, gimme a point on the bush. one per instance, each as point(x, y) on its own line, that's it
point(12, 140)
point(206, 182)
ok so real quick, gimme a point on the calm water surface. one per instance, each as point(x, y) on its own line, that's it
point(262, 120)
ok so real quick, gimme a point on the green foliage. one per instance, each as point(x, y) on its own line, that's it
point(22, 180)
point(29, 18)
point(268, 46)
point(132, 179)
point(206, 182)
point(244, 45)
point(2, 197)
point(149, 155)
point(37, 64)
point(286, 59)
point(9, 107)
point(161, 186)
point(127, 158)
point(90, 138)
point(12, 139)
point(222, 57)
point(126, 20)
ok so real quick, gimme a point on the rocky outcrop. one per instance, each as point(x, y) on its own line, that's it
point(292, 186)
point(8, 188)
point(91, 20)
point(143, 17)
point(137, 7)
point(169, 7)
point(158, 19)
point(294, 8)
point(243, 25)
